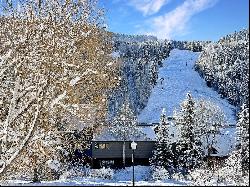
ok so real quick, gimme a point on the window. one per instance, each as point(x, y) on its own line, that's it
point(101, 146)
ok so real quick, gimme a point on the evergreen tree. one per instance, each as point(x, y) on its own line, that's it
point(189, 145)
point(243, 137)
point(163, 153)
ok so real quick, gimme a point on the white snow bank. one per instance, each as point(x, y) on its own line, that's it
point(142, 173)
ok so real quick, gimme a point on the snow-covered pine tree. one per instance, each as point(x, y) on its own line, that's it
point(153, 73)
point(225, 66)
point(163, 152)
point(243, 138)
point(124, 127)
point(189, 145)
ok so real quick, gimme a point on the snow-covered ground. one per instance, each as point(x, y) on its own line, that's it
point(97, 182)
point(121, 177)
point(179, 79)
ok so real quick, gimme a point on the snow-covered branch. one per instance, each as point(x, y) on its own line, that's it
point(58, 99)
point(24, 142)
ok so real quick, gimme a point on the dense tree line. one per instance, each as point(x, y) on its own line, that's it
point(225, 67)
point(139, 65)
point(195, 46)
point(133, 38)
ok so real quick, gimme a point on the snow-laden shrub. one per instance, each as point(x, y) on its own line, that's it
point(160, 173)
point(245, 180)
point(75, 172)
point(229, 174)
point(53, 164)
point(67, 175)
point(178, 176)
point(201, 177)
point(104, 173)
point(232, 173)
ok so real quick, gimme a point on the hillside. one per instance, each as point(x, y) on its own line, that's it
point(139, 64)
point(225, 67)
point(179, 79)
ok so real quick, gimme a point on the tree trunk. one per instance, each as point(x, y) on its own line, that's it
point(124, 154)
point(35, 175)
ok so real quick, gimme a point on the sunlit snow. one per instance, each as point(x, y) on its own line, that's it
point(74, 81)
point(176, 78)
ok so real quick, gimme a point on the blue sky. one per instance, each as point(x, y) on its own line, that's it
point(177, 19)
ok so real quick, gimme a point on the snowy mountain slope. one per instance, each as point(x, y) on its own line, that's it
point(176, 78)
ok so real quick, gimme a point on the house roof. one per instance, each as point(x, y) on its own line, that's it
point(146, 134)
point(223, 141)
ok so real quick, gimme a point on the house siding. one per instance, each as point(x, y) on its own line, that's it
point(114, 150)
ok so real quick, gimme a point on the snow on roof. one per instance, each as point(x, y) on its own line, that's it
point(149, 132)
point(146, 134)
point(223, 142)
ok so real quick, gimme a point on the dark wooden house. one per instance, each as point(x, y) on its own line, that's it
point(108, 152)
